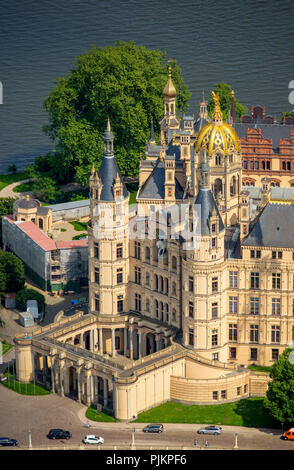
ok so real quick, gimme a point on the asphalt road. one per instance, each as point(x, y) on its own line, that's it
point(20, 413)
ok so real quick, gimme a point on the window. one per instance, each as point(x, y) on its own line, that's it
point(258, 253)
point(233, 332)
point(213, 242)
point(137, 275)
point(191, 284)
point(233, 353)
point(280, 254)
point(233, 304)
point(238, 391)
point(156, 309)
point(251, 165)
point(275, 354)
point(97, 276)
point(215, 356)
point(119, 276)
point(214, 310)
point(252, 254)
point(138, 250)
point(191, 337)
point(97, 302)
point(191, 310)
point(174, 315)
point(215, 395)
point(253, 354)
point(254, 333)
point(275, 334)
point(147, 254)
point(214, 284)
point(245, 164)
point(274, 254)
point(276, 306)
point(213, 228)
point(147, 279)
point(223, 394)
point(214, 338)
point(156, 282)
point(245, 388)
point(254, 305)
point(148, 305)
point(119, 250)
point(254, 280)
point(276, 281)
point(120, 304)
point(138, 302)
point(233, 278)
point(174, 263)
point(96, 250)
point(174, 288)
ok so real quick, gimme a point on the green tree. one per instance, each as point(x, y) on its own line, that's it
point(225, 98)
point(47, 190)
point(287, 114)
point(11, 168)
point(6, 208)
point(12, 277)
point(123, 82)
point(280, 394)
point(29, 294)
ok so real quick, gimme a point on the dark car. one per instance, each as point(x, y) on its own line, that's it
point(210, 430)
point(58, 434)
point(5, 441)
point(153, 428)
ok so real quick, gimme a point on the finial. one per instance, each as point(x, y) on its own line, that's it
point(28, 197)
point(203, 98)
point(233, 93)
point(93, 169)
point(108, 125)
point(217, 113)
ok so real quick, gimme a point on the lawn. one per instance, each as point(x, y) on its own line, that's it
point(24, 187)
point(5, 347)
point(94, 415)
point(24, 389)
point(79, 226)
point(260, 368)
point(81, 235)
point(248, 412)
point(5, 180)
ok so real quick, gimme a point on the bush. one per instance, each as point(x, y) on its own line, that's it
point(29, 294)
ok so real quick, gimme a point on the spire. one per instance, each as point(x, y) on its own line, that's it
point(203, 108)
point(217, 114)
point(233, 109)
point(152, 138)
point(108, 141)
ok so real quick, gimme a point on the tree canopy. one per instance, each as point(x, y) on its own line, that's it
point(12, 277)
point(225, 98)
point(123, 82)
point(280, 394)
point(29, 294)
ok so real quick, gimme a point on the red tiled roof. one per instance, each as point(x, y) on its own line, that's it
point(9, 218)
point(39, 237)
point(71, 244)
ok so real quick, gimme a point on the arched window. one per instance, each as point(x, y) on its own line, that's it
point(174, 315)
point(147, 279)
point(156, 282)
point(156, 308)
point(161, 284)
point(174, 263)
point(174, 288)
point(161, 311)
point(147, 254)
point(148, 305)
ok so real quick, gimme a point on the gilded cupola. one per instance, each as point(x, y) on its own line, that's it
point(169, 90)
point(217, 136)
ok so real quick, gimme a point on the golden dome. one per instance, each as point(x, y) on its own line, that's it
point(217, 135)
point(169, 90)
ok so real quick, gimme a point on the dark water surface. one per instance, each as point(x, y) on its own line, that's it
point(248, 44)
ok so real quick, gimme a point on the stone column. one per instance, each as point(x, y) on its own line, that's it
point(100, 341)
point(105, 392)
point(61, 379)
point(79, 378)
point(44, 368)
point(95, 339)
point(166, 341)
point(91, 340)
point(89, 388)
point(157, 343)
point(113, 351)
point(131, 343)
point(140, 344)
point(53, 376)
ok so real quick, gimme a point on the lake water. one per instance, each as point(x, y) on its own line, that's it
point(249, 45)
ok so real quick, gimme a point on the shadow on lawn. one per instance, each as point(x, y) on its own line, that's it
point(255, 415)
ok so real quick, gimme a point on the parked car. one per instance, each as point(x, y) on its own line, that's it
point(6, 441)
point(91, 439)
point(210, 430)
point(153, 428)
point(58, 434)
point(288, 435)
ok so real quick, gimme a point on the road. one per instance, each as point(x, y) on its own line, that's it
point(20, 413)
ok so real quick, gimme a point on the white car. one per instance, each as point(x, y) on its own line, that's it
point(93, 440)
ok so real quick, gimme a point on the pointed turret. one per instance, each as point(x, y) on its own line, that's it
point(152, 140)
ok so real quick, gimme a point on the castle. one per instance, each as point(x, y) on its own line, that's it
point(179, 306)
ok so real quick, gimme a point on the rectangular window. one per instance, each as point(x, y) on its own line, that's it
point(97, 276)
point(191, 309)
point(274, 254)
point(254, 305)
point(233, 353)
point(212, 228)
point(233, 304)
point(245, 388)
point(120, 304)
point(233, 332)
point(252, 254)
point(254, 330)
point(96, 250)
point(119, 276)
point(119, 250)
point(275, 334)
point(191, 337)
point(224, 394)
point(275, 354)
point(97, 302)
point(276, 306)
point(233, 279)
point(254, 277)
point(214, 284)
point(276, 280)
point(215, 356)
point(258, 253)
point(137, 275)
point(280, 254)
point(215, 395)
point(214, 338)
point(214, 310)
point(138, 302)
point(238, 391)
point(253, 354)
point(137, 250)
point(191, 284)
point(213, 242)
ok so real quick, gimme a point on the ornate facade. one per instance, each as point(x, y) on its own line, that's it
point(172, 316)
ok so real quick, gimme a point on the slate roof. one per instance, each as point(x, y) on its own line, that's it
point(153, 188)
point(199, 124)
point(207, 203)
point(268, 131)
point(107, 172)
point(274, 227)
point(25, 203)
